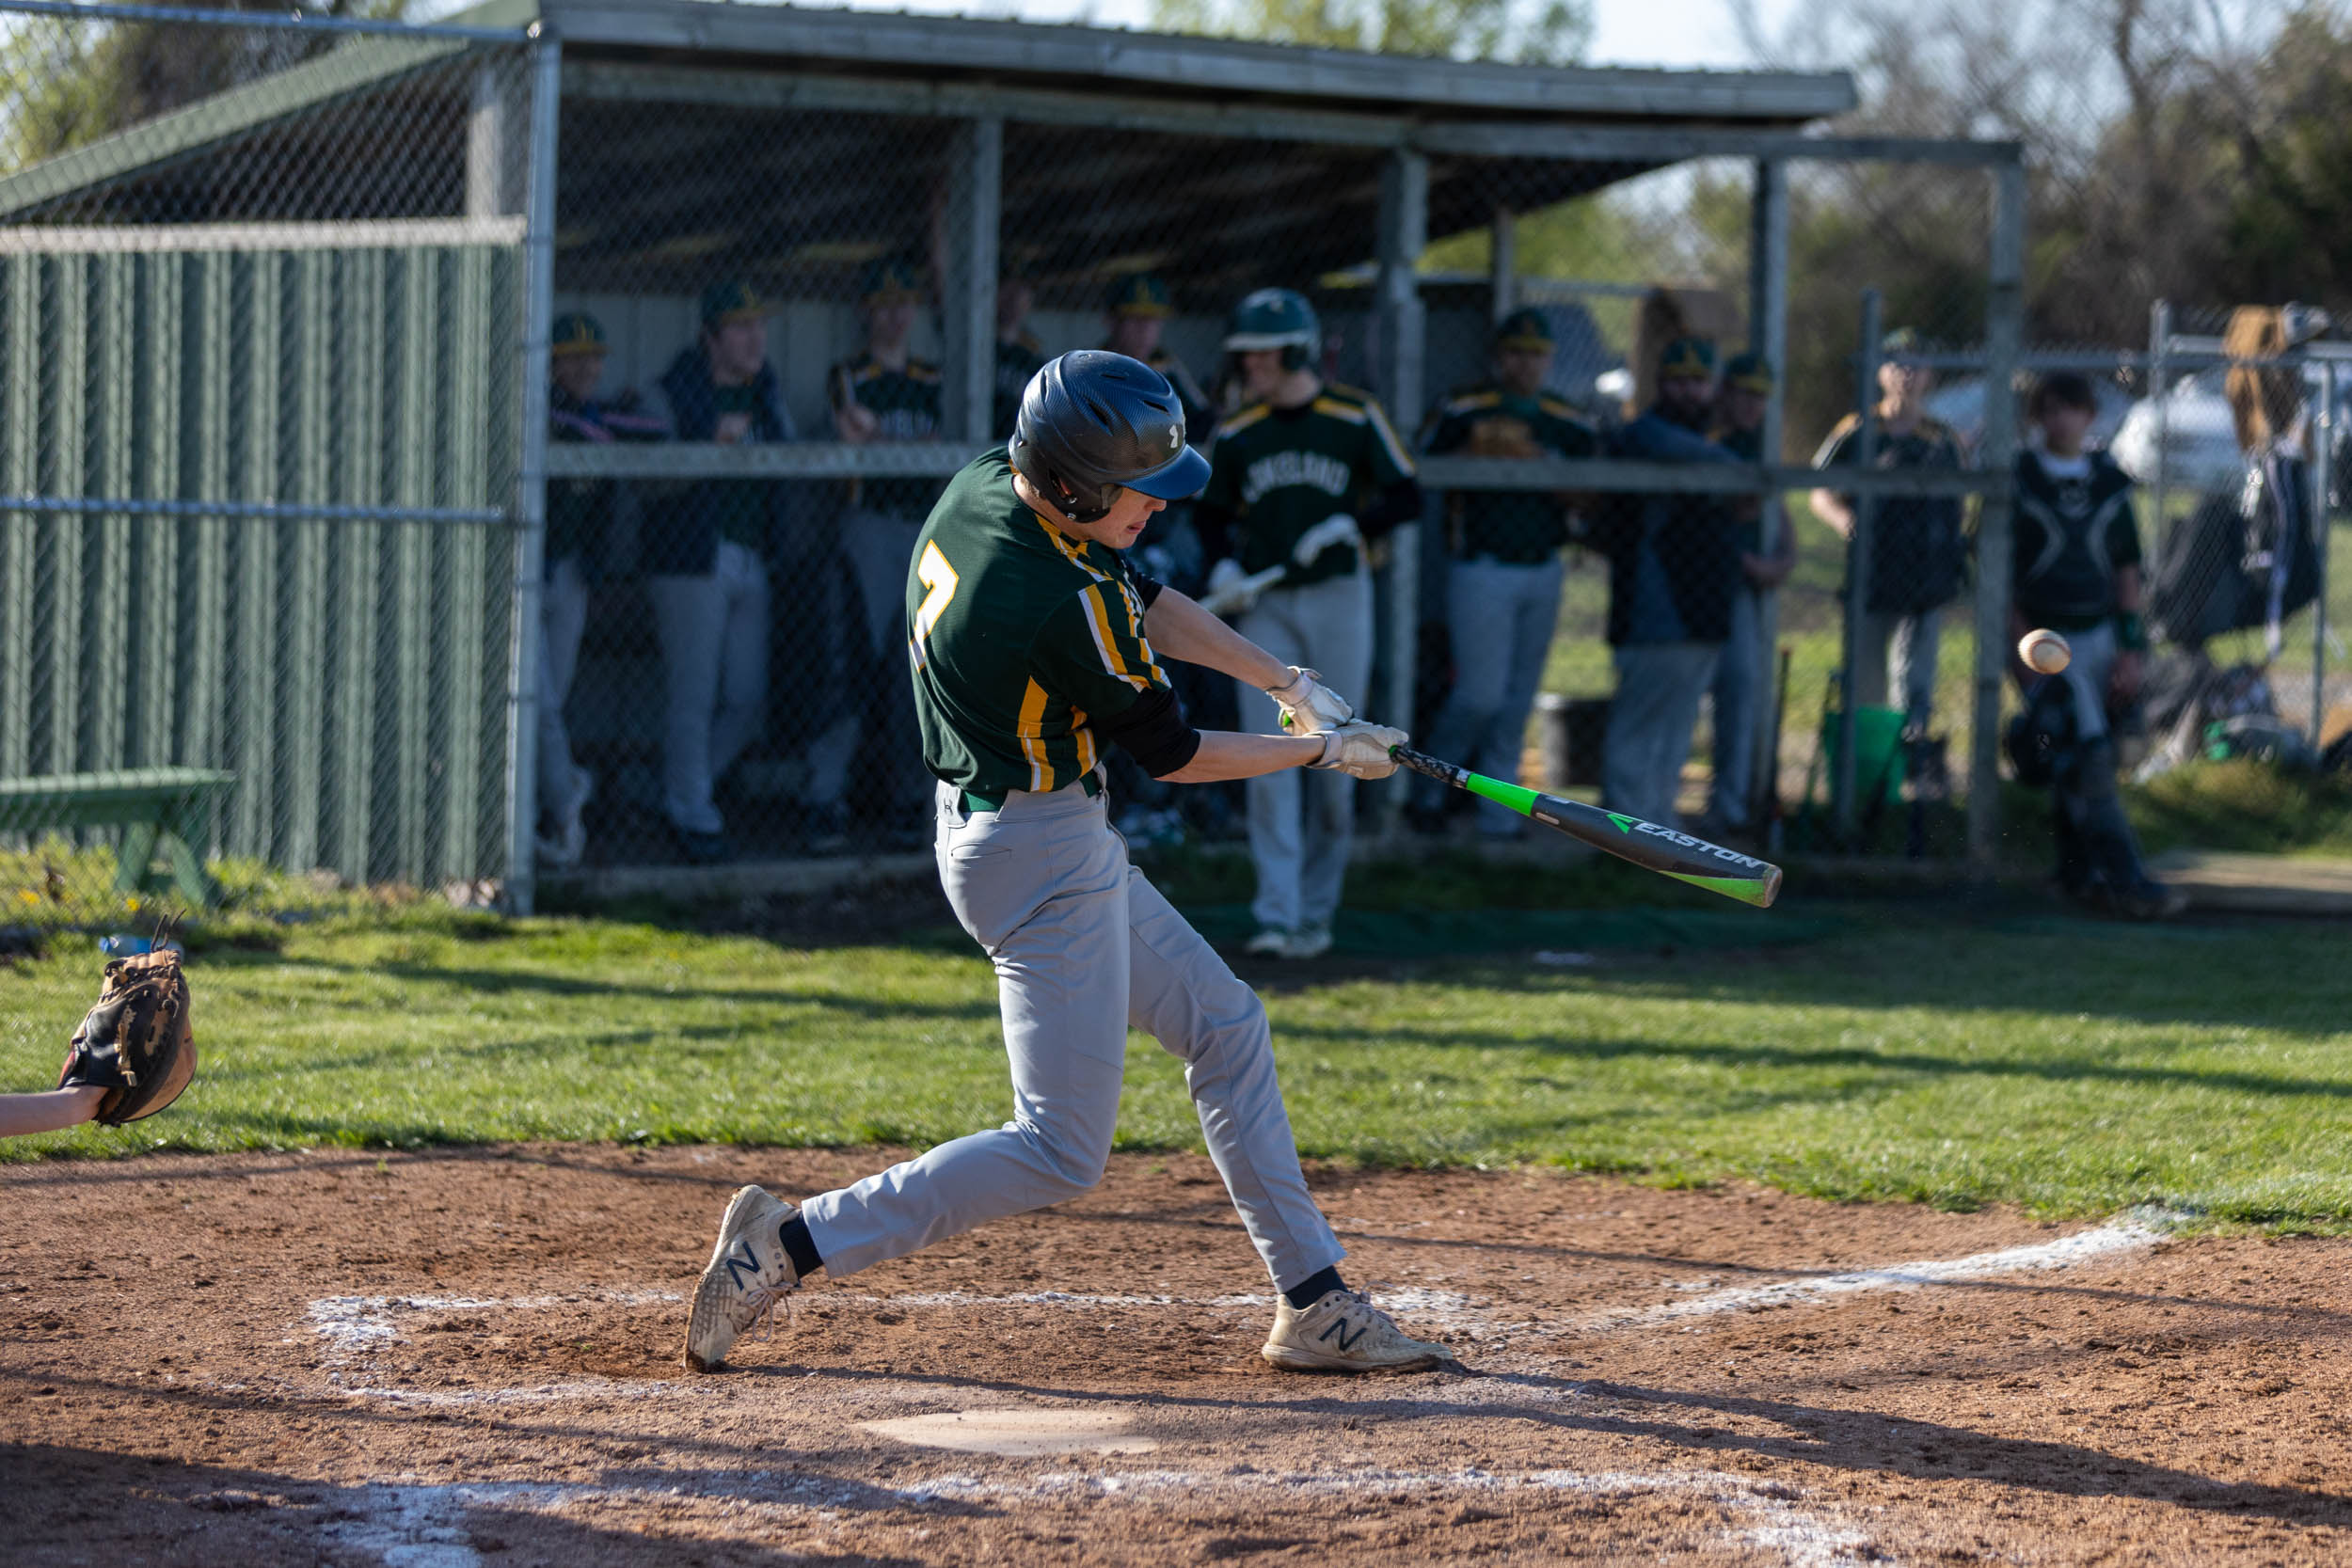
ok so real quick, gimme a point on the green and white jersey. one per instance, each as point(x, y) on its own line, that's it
point(1021, 637)
point(1279, 472)
point(905, 404)
point(1516, 527)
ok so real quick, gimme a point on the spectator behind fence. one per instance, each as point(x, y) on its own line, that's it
point(887, 395)
point(1135, 318)
point(708, 568)
point(1918, 550)
point(1018, 354)
point(1673, 562)
point(1745, 668)
point(1503, 588)
point(2076, 570)
point(1303, 475)
point(581, 516)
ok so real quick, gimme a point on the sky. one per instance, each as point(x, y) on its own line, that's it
point(1687, 33)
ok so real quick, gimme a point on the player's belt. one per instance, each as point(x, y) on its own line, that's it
point(975, 800)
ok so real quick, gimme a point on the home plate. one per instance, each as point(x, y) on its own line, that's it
point(1018, 1432)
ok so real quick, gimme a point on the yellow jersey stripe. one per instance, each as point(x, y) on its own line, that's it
point(1087, 756)
point(1388, 439)
point(1135, 624)
point(1243, 419)
point(1349, 412)
point(1106, 636)
point(1071, 551)
point(1032, 736)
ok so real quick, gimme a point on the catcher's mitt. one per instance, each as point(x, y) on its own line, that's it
point(137, 1043)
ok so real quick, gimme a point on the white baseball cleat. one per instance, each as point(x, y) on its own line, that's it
point(1345, 1333)
point(1271, 942)
point(1310, 941)
point(748, 1274)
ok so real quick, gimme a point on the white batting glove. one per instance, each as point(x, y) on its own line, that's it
point(1338, 529)
point(1224, 594)
point(1309, 706)
point(1361, 751)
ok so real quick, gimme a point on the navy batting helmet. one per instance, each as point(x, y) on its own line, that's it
point(1093, 423)
point(1276, 318)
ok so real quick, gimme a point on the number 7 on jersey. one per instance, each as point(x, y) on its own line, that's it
point(939, 580)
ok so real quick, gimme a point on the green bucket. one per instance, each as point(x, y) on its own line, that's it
point(1877, 749)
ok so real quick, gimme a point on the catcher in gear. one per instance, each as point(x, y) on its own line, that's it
point(132, 1056)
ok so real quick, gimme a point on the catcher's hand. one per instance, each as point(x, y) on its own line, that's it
point(137, 1043)
point(1309, 706)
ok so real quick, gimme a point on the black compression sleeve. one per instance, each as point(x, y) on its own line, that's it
point(1399, 503)
point(1153, 732)
point(1148, 588)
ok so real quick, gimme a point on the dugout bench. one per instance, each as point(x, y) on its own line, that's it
point(170, 808)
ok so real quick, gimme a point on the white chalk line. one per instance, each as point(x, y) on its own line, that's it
point(423, 1525)
point(2130, 1234)
point(366, 1322)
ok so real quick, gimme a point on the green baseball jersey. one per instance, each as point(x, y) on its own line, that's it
point(1748, 520)
point(742, 503)
point(906, 403)
point(1021, 637)
point(1520, 527)
point(1279, 472)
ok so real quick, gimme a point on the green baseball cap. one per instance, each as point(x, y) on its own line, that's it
point(891, 280)
point(1749, 372)
point(1524, 328)
point(1138, 294)
point(732, 301)
point(576, 332)
point(1687, 357)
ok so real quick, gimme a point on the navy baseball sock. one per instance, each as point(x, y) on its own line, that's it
point(800, 1246)
point(1313, 1288)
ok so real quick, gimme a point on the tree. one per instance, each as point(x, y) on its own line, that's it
point(1525, 32)
point(64, 84)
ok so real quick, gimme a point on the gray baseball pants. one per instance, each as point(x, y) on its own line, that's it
point(1898, 650)
point(1651, 719)
point(1501, 616)
point(1301, 824)
point(1084, 949)
point(714, 653)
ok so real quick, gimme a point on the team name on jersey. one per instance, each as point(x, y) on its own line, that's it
point(1280, 470)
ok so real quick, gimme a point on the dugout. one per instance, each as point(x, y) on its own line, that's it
point(293, 329)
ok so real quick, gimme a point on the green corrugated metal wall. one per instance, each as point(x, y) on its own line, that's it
point(352, 674)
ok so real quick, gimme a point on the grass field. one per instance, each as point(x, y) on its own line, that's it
point(1919, 1049)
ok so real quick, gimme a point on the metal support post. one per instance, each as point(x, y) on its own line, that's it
point(531, 477)
point(2160, 389)
point(975, 208)
point(1857, 566)
point(1404, 234)
point(2323, 481)
point(2004, 339)
point(1768, 335)
point(1502, 289)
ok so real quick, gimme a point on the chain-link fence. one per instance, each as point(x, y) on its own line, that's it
point(372, 505)
point(256, 483)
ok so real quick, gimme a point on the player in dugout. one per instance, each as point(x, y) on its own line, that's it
point(1304, 476)
point(1503, 587)
point(1034, 644)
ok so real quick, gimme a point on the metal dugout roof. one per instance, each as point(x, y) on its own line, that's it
point(793, 144)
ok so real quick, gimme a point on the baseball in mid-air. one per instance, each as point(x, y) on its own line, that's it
point(2044, 651)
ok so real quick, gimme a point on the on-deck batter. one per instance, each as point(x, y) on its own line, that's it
point(1033, 644)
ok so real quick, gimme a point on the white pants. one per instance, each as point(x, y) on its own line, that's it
point(563, 616)
point(1302, 823)
point(1085, 949)
point(1651, 719)
point(714, 649)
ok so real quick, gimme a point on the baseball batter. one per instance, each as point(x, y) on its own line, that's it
point(1033, 646)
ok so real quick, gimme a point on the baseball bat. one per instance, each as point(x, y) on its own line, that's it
point(1666, 850)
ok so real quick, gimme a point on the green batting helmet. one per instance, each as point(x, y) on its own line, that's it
point(1276, 318)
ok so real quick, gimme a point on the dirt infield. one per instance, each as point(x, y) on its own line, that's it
point(462, 1358)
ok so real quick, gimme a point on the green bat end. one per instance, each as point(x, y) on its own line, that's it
point(1759, 891)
